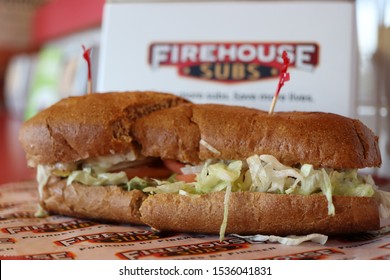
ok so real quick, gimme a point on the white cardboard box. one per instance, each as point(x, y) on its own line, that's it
point(229, 52)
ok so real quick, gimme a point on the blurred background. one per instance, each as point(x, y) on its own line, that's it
point(41, 62)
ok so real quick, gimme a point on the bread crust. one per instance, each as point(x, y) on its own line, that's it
point(104, 203)
point(88, 126)
point(260, 213)
point(294, 138)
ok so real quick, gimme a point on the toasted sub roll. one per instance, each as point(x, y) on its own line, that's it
point(82, 127)
point(294, 138)
point(104, 203)
point(260, 213)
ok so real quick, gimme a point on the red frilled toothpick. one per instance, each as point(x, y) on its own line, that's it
point(87, 57)
point(284, 77)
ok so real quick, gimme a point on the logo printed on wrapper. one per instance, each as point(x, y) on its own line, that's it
point(7, 205)
point(383, 257)
point(308, 255)
point(362, 239)
point(17, 215)
point(115, 237)
point(234, 61)
point(7, 240)
point(50, 227)
point(46, 256)
point(385, 246)
point(212, 247)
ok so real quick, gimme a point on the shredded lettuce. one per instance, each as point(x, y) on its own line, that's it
point(192, 169)
point(291, 240)
point(349, 183)
point(168, 187)
point(269, 175)
point(87, 177)
point(104, 163)
point(137, 183)
point(43, 175)
point(225, 212)
point(327, 190)
point(209, 147)
point(383, 199)
point(216, 177)
point(40, 212)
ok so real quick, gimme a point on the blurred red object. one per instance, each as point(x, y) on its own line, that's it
point(13, 163)
point(59, 18)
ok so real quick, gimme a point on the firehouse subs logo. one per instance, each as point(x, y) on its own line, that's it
point(232, 62)
point(50, 227)
point(115, 237)
point(226, 245)
point(309, 255)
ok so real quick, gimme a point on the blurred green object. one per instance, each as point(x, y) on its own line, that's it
point(45, 83)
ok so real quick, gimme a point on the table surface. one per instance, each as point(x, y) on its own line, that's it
point(13, 163)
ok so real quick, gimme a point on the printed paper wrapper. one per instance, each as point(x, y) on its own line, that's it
point(56, 237)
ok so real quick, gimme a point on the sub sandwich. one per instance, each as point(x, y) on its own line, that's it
point(156, 159)
point(86, 141)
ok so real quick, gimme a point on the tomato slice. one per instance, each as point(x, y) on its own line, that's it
point(176, 167)
point(161, 172)
point(173, 165)
point(147, 171)
point(188, 178)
